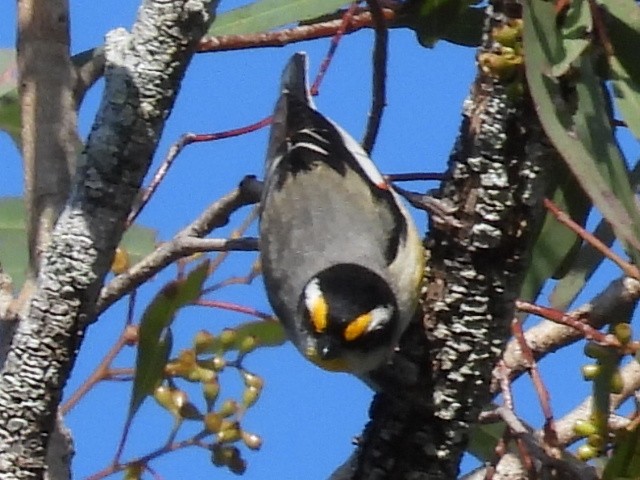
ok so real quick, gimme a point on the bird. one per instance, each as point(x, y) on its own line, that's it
point(342, 261)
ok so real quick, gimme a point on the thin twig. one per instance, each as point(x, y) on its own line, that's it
point(629, 269)
point(335, 41)
point(378, 100)
point(550, 437)
point(145, 459)
point(216, 215)
point(175, 149)
point(233, 307)
point(288, 36)
point(237, 233)
point(569, 320)
point(98, 374)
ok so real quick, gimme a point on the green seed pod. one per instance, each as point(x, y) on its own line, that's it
point(586, 452)
point(508, 35)
point(213, 422)
point(221, 455)
point(134, 472)
point(251, 380)
point(229, 435)
point(250, 396)
point(203, 341)
point(228, 408)
point(251, 440)
point(596, 441)
point(211, 390)
point(584, 428)
point(189, 411)
point(228, 338)
point(623, 332)
point(590, 372)
point(218, 363)
point(617, 382)
point(238, 466)
point(248, 344)
point(594, 350)
point(163, 396)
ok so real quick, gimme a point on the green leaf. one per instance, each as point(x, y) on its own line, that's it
point(624, 463)
point(268, 333)
point(13, 240)
point(457, 21)
point(575, 31)
point(154, 345)
point(9, 100)
point(581, 130)
point(265, 15)
point(484, 438)
point(586, 263)
point(556, 246)
point(139, 241)
point(623, 27)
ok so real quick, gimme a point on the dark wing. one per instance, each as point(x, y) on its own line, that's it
point(302, 139)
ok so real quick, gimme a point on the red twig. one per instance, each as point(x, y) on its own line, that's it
point(335, 40)
point(562, 318)
point(234, 307)
point(288, 36)
point(551, 438)
point(562, 217)
point(178, 146)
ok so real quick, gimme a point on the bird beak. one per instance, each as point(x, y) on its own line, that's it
point(327, 348)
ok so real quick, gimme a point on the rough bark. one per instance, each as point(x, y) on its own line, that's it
point(419, 430)
point(143, 73)
point(49, 140)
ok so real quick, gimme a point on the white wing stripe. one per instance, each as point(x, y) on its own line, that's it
point(310, 146)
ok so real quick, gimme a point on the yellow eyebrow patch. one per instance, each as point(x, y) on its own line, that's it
point(318, 313)
point(357, 327)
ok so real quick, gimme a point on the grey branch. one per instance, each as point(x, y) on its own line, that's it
point(442, 371)
point(143, 74)
point(186, 242)
point(617, 300)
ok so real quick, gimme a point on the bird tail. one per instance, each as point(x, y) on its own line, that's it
point(293, 84)
point(294, 78)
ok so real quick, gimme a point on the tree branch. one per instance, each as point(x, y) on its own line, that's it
point(49, 138)
point(616, 301)
point(420, 428)
point(143, 74)
point(215, 216)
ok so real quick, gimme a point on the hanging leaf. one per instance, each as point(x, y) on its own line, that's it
point(138, 241)
point(265, 15)
point(457, 21)
point(9, 100)
point(154, 345)
point(579, 126)
point(623, 24)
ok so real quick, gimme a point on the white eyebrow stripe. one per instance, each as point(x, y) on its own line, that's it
point(379, 317)
point(315, 135)
point(312, 293)
point(310, 146)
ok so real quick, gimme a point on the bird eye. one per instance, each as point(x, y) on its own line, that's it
point(368, 322)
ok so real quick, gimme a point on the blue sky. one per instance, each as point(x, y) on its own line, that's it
point(306, 417)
